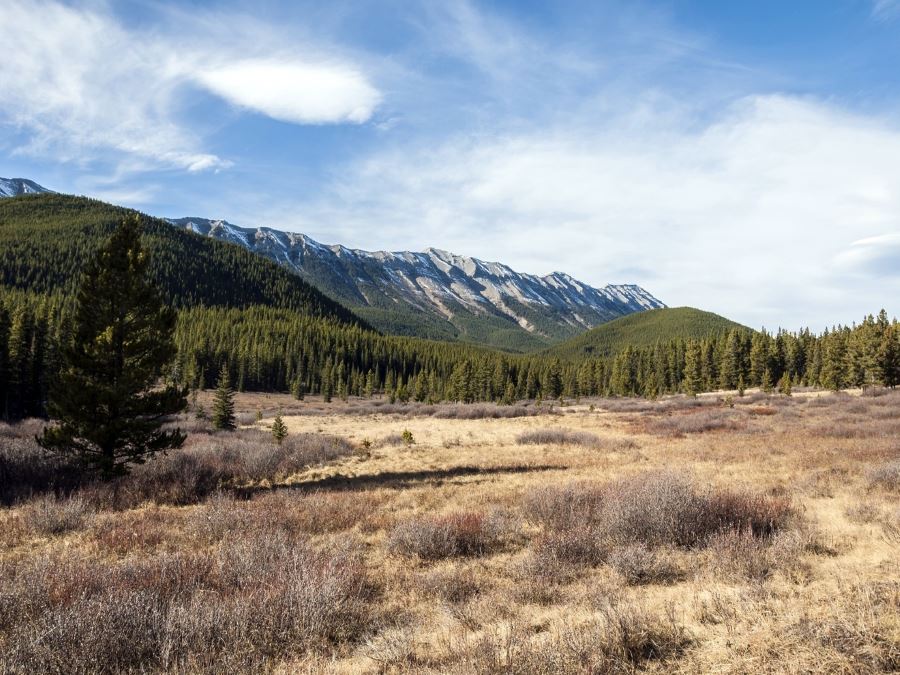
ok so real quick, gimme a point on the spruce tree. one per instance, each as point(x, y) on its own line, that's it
point(106, 399)
point(223, 402)
point(279, 429)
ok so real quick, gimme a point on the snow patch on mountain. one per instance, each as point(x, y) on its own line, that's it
point(436, 280)
point(13, 187)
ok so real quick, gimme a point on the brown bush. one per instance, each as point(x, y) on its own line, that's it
point(886, 476)
point(436, 537)
point(250, 602)
point(639, 564)
point(693, 423)
point(453, 586)
point(561, 507)
point(578, 545)
point(624, 638)
point(487, 411)
point(660, 508)
point(558, 437)
point(51, 516)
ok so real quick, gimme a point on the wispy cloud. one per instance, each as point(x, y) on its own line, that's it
point(886, 10)
point(79, 82)
point(742, 214)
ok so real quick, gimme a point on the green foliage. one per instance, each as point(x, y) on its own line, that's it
point(105, 400)
point(407, 437)
point(644, 329)
point(279, 429)
point(274, 340)
point(223, 402)
point(46, 240)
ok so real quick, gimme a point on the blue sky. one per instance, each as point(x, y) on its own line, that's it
point(738, 157)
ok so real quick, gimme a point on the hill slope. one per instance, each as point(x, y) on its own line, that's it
point(644, 330)
point(45, 240)
point(438, 294)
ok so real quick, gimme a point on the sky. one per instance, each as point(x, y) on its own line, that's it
point(743, 158)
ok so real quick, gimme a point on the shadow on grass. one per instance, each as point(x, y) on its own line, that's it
point(400, 480)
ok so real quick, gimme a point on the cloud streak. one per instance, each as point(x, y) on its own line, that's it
point(79, 84)
point(744, 214)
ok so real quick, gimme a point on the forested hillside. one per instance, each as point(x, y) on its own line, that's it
point(275, 333)
point(644, 329)
point(45, 240)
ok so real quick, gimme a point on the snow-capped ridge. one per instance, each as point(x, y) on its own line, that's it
point(13, 187)
point(436, 280)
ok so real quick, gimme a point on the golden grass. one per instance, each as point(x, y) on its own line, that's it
point(459, 577)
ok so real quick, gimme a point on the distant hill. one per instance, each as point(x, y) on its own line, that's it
point(643, 330)
point(45, 240)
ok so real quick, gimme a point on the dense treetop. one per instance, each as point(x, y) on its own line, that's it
point(644, 329)
point(46, 239)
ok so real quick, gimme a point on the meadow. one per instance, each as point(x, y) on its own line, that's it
point(712, 534)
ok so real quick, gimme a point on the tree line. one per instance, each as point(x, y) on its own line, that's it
point(278, 350)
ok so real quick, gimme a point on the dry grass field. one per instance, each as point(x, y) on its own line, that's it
point(759, 534)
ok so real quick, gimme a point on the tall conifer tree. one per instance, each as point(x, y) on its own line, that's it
point(223, 402)
point(106, 399)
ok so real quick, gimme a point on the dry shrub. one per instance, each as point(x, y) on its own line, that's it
point(854, 427)
point(563, 506)
point(859, 633)
point(628, 405)
point(886, 476)
point(659, 508)
point(136, 531)
point(486, 411)
point(692, 423)
point(452, 585)
point(51, 516)
point(284, 512)
point(687, 403)
point(622, 638)
point(250, 602)
point(558, 437)
point(580, 545)
point(639, 564)
point(863, 512)
point(437, 537)
point(26, 469)
point(762, 411)
point(740, 555)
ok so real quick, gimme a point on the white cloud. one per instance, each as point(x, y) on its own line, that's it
point(79, 83)
point(744, 214)
point(877, 256)
point(295, 92)
point(885, 10)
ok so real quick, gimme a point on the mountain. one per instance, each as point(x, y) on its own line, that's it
point(13, 187)
point(645, 330)
point(45, 240)
point(438, 294)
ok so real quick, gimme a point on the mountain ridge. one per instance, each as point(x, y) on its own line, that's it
point(433, 293)
point(13, 187)
point(449, 287)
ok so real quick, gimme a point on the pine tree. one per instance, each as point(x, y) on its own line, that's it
point(693, 369)
point(279, 430)
point(223, 402)
point(4, 361)
point(106, 401)
point(784, 384)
